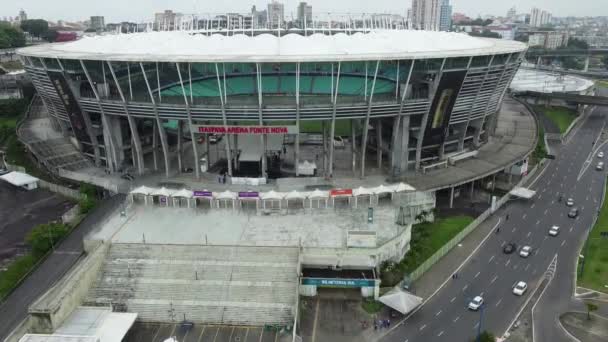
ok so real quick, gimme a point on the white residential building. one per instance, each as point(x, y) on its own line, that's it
point(426, 15)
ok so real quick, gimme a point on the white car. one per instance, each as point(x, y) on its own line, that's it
point(554, 231)
point(525, 251)
point(569, 202)
point(600, 154)
point(476, 303)
point(599, 166)
point(520, 288)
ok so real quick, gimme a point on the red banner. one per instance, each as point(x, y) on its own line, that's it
point(340, 192)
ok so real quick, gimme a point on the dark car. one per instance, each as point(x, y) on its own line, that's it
point(509, 248)
point(127, 176)
point(573, 213)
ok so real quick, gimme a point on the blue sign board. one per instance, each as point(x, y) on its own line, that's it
point(333, 282)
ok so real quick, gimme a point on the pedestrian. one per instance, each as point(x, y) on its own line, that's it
point(507, 217)
point(284, 150)
point(219, 179)
point(224, 180)
point(454, 276)
point(388, 323)
point(375, 326)
point(497, 230)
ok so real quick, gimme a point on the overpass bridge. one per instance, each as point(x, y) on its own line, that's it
point(540, 54)
point(560, 71)
point(569, 97)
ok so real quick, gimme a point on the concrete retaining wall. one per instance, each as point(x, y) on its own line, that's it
point(52, 308)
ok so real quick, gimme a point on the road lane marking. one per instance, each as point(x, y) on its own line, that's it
point(452, 300)
point(563, 243)
point(524, 216)
point(514, 229)
point(476, 325)
point(545, 213)
point(571, 229)
point(465, 287)
point(438, 313)
point(532, 206)
point(529, 233)
point(422, 327)
point(493, 279)
point(508, 262)
point(516, 266)
point(456, 319)
point(491, 258)
point(498, 303)
point(441, 333)
point(503, 243)
point(537, 222)
point(534, 271)
point(527, 266)
point(478, 273)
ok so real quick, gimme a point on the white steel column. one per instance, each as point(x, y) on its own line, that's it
point(225, 120)
point(366, 123)
point(297, 142)
point(111, 156)
point(192, 136)
point(397, 127)
point(159, 124)
point(132, 125)
point(425, 118)
point(155, 144)
point(85, 115)
point(334, 99)
point(379, 143)
point(263, 138)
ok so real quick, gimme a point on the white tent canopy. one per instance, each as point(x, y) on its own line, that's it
point(226, 195)
point(142, 190)
point(381, 189)
point(162, 192)
point(361, 191)
point(400, 300)
point(296, 195)
point(522, 192)
point(272, 195)
point(401, 187)
point(318, 194)
point(184, 193)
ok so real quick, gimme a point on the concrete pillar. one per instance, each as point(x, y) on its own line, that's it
point(180, 145)
point(405, 142)
point(586, 68)
point(379, 143)
point(539, 61)
point(451, 197)
point(353, 146)
point(155, 145)
point(324, 132)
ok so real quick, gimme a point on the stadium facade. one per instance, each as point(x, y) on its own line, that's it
point(152, 100)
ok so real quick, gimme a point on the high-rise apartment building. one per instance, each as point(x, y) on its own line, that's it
point(276, 14)
point(22, 15)
point(445, 17)
point(167, 20)
point(304, 13)
point(512, 13)
point(98, 23)
point(426, 14)
point(539, 17)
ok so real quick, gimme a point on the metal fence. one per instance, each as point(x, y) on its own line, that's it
point(425, 266)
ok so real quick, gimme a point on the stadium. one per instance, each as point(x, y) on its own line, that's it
point(264, 165)
point(400, 99)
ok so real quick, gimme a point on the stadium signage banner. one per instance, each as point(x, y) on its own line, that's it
point(198, 193)
point(258, 130)
point(341, 192)
point(333, 282)
point(249, 194)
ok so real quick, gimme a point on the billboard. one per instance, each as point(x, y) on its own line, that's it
point(71, 106)
point(257, 130)
point(441, 108)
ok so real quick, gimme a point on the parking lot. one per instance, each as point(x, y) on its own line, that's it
point(149, 332)
point(20, 212)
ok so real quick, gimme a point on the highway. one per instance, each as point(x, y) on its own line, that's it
point(491, 273)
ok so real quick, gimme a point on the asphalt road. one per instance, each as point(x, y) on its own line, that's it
point(492, 274)
point(14, 309)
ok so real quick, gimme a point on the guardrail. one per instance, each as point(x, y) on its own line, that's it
point(425, 266)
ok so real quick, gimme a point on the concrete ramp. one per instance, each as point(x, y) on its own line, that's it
point(202, 284)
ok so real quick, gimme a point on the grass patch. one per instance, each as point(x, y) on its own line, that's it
point(595, 273)
point(602, 83)
point(561, 117)
point(371, 306)
point(15, 271)
point(540, 150)
point(427, 238)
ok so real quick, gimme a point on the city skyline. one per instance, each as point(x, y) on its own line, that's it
point(140, 10)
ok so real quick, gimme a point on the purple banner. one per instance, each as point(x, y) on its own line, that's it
point(203, 194)
point(249, 194)
point(163, 199)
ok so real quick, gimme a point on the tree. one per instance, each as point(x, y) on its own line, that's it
point(35, 27)
point(11, 37)
point(44, 236)
point(485, 336)
point(486, 34)
point(577, 44)
point(590, 308)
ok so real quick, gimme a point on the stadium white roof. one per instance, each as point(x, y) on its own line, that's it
point(186, 46)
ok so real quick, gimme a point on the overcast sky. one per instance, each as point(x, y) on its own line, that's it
point(141, 10)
